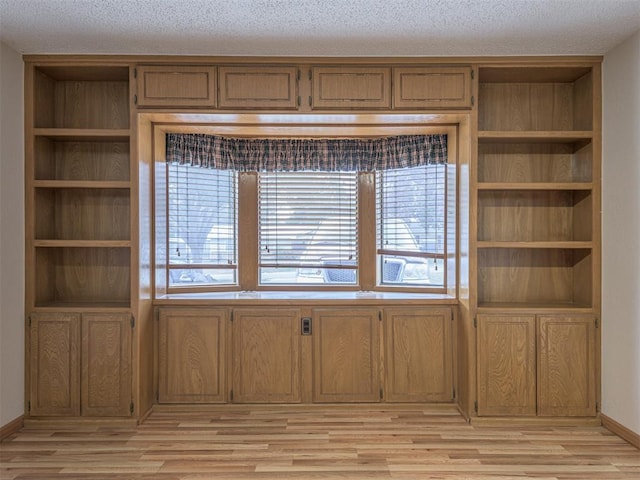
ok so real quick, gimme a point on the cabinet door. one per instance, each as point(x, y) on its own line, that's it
point(54, 361)
point(106, 364)
point(266, 355)
point(418, 354)
point(259, 87)
point(506, 365)
point(346, 355)
point(192, 355)
point(351, 88)
point(566, 366)
point(176, 86)
point(432, 87)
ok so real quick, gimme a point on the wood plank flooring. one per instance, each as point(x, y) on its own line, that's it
point(313, 442)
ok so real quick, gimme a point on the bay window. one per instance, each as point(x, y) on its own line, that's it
point(338, 214)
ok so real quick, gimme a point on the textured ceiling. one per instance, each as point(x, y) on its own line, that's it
point(318, 27)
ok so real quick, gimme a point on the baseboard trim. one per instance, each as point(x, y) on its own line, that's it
point(620, 430)
point(12, 427)
point(536, 421)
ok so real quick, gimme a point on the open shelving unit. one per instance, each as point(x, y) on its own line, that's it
point(536, 182)
point(79, 183)
point(537, 240)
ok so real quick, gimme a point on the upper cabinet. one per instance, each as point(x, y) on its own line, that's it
point(431, 87)
point(176, 86)
point(349, 88)
point(324, 87)
point(258, 87)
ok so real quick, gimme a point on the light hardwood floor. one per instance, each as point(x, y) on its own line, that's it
point(328, 442)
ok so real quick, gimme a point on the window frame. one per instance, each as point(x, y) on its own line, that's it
point(248, 238)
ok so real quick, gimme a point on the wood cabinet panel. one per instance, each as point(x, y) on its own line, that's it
point(346, 355)
point(176, 86)
point(432, 87)
point(106, 364)
point(192, 355)
point(418, 354)
point(506, 365)
point(258, 87)
point(266, 355)
point(54, 377)
point(351, 88)
point(566, 365)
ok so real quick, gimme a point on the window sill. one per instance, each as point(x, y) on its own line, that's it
point(305, 298)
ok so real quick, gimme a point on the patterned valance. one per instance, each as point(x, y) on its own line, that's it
point(296, 154)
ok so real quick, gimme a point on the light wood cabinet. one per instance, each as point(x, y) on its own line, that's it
point(431, 87)
point(174, 86)
point(54, 361)
point(106, 364)
point(506, 365)
point(258, 87)
point(567, 365)
point(192, 355)
point(83, 221)
point(351, 88)
point(266, 355)
point(418, 354)
point(80, 364)
point(542, 365)
point(346, 355)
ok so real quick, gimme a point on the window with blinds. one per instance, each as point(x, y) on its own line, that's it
point(411, 225)
point(308, 228)
point(202, 232)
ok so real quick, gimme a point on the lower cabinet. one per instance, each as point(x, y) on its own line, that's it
point(506, 365)
point(266, 355)
point(566, 365)
point(542, 365)
point(259, 355)
point(80, 364)
point(346, 355)
point(418, 350)
point(192, 355)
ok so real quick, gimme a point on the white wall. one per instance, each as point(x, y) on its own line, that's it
point(621, 234)
point(11, 235)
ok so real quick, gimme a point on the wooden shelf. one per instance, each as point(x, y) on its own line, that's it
point(82, 307)
point(81, 184)
point(497, 307)
point(535, 186)
point(82, 243)
point(84, 134)
point(534, 136)
point(563, 245)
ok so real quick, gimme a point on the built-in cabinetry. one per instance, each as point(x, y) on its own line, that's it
point(80, 364)
point(346, 355)
point(192, 355)
point(175, 86)
point(526, 331)
point(542, 364)
point(266, 355)
point(355, 354)
point(537, 243)
point(81, 237)
point(281, 87)
point(418, 340)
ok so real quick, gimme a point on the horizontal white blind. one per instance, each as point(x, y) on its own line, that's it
point(202, 217)
point(308, 219)
point(411, 211)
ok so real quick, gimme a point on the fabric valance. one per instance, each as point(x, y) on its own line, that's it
point(296, 154)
